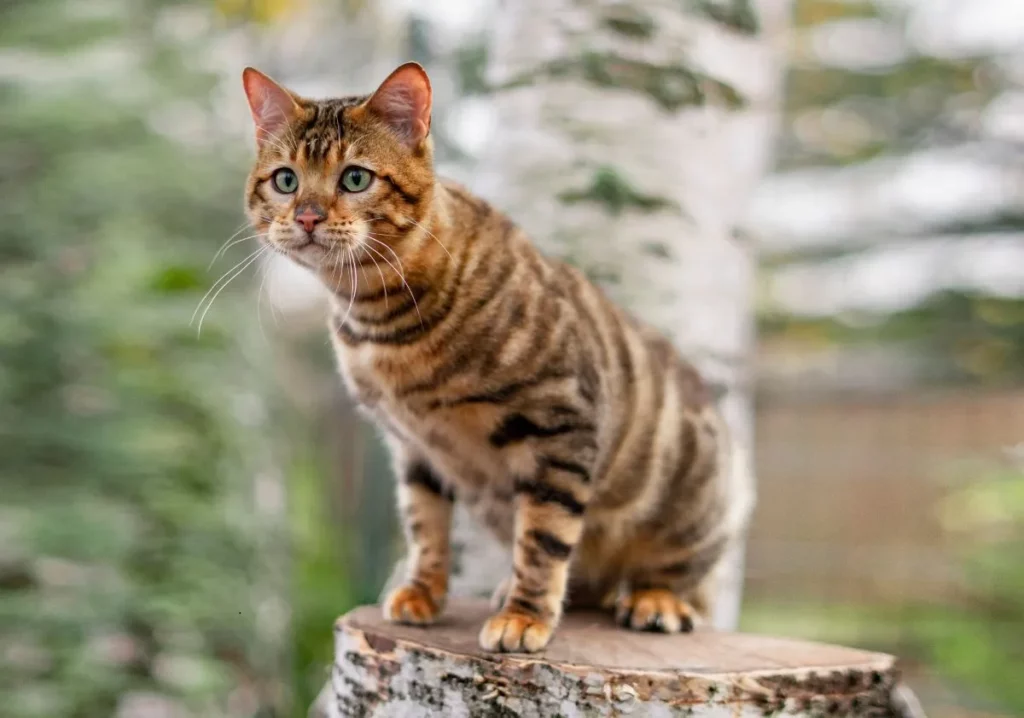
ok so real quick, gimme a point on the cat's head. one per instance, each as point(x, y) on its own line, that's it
point(341, 177)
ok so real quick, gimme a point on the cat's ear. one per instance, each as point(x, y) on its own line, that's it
point(271, 105)
point(403, 101)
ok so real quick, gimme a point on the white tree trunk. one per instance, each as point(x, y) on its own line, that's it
point(594, 669)
point(629, 138)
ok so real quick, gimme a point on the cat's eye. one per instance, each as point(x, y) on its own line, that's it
point(286, 181)
point(356, 179)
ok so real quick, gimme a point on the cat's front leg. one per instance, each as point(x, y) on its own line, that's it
point(549, 523)
point(425, 504)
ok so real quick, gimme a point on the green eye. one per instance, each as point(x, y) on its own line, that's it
point(286, 181)
point(356, 179)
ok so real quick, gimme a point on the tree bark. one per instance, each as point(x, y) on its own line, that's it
point(592, 669)
point(629, 138)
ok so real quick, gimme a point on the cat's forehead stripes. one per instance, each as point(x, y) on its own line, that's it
point(324, 125)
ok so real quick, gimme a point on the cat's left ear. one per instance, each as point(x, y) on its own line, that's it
point(271, 105)
point(403, 101)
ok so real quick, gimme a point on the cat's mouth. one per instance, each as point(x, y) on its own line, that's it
point(313, 251)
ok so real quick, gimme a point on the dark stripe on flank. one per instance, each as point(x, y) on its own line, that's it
point(544, 494)
point(517, 427)
point(419, 474)
point(571, 467)
point(501, 394)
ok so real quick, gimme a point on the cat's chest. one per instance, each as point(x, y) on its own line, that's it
point(456, 433)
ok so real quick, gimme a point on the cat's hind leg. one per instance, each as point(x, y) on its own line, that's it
point(672, 597)
point(655, 609)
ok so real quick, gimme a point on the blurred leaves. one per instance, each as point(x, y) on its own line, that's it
point(968, 336)
point(130, 550)
point(985, 521)
point(863, 86)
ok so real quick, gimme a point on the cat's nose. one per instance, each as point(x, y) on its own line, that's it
point(309, 216)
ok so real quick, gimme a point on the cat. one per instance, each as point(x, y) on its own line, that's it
point(498, 377)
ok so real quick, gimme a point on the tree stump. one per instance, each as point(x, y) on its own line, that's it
point(594, 668)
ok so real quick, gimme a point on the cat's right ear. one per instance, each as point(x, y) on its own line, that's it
point(271, 105)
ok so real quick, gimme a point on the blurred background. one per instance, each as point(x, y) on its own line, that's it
point(185, 513)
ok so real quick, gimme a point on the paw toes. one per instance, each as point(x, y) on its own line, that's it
point(515, 633)
point(411, 604)
point(655, 610)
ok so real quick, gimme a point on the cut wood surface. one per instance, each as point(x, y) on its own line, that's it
point(594, 668)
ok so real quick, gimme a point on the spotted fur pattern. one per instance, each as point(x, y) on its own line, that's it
point(501, 379)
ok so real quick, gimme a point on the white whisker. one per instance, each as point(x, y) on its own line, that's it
point(267, 267)
point(214, 285)
point(383, 282)
point(405, 284)
point(352, 299)
point(393, 254)
point(209, 305)
point(432, 235)
point(238, 230)
point(229, 244)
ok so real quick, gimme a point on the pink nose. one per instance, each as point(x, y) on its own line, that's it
point(309, 218)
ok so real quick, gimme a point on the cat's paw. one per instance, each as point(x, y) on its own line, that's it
point(516, 632)
point(412, 603)
point(655, 609)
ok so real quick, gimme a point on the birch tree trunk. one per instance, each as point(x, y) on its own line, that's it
point(629, 138)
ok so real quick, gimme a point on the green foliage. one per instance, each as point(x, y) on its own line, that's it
point(966, 337)
point(976, 644)
point(838, 116)
point(982, 645)
point(841, 117)
point(672, 87)
point(629, 20)
point(738, 15)
point(612, 191)
point(130, 559)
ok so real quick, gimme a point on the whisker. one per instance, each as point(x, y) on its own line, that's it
point(238, 230)
point(229, 244)
point(266, 268)
point(278, 144)
point(336, 250)
point(209, 306)
point(362, 270)
point(393, 253)
point(395, 269)
point(405, 284)
point(352, 299)
point(432, 235)
point(383, 282)
point(214, 286)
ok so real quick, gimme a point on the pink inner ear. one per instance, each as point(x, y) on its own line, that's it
point(403, 101)
point(270, 104)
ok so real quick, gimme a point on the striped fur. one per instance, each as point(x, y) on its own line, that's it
point(507, 381)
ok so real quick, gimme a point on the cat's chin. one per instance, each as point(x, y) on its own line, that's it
point(310, 254)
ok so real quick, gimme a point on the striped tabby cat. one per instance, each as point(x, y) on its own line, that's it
point(500, 378)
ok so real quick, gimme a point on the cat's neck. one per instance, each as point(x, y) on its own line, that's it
point(418, 265)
